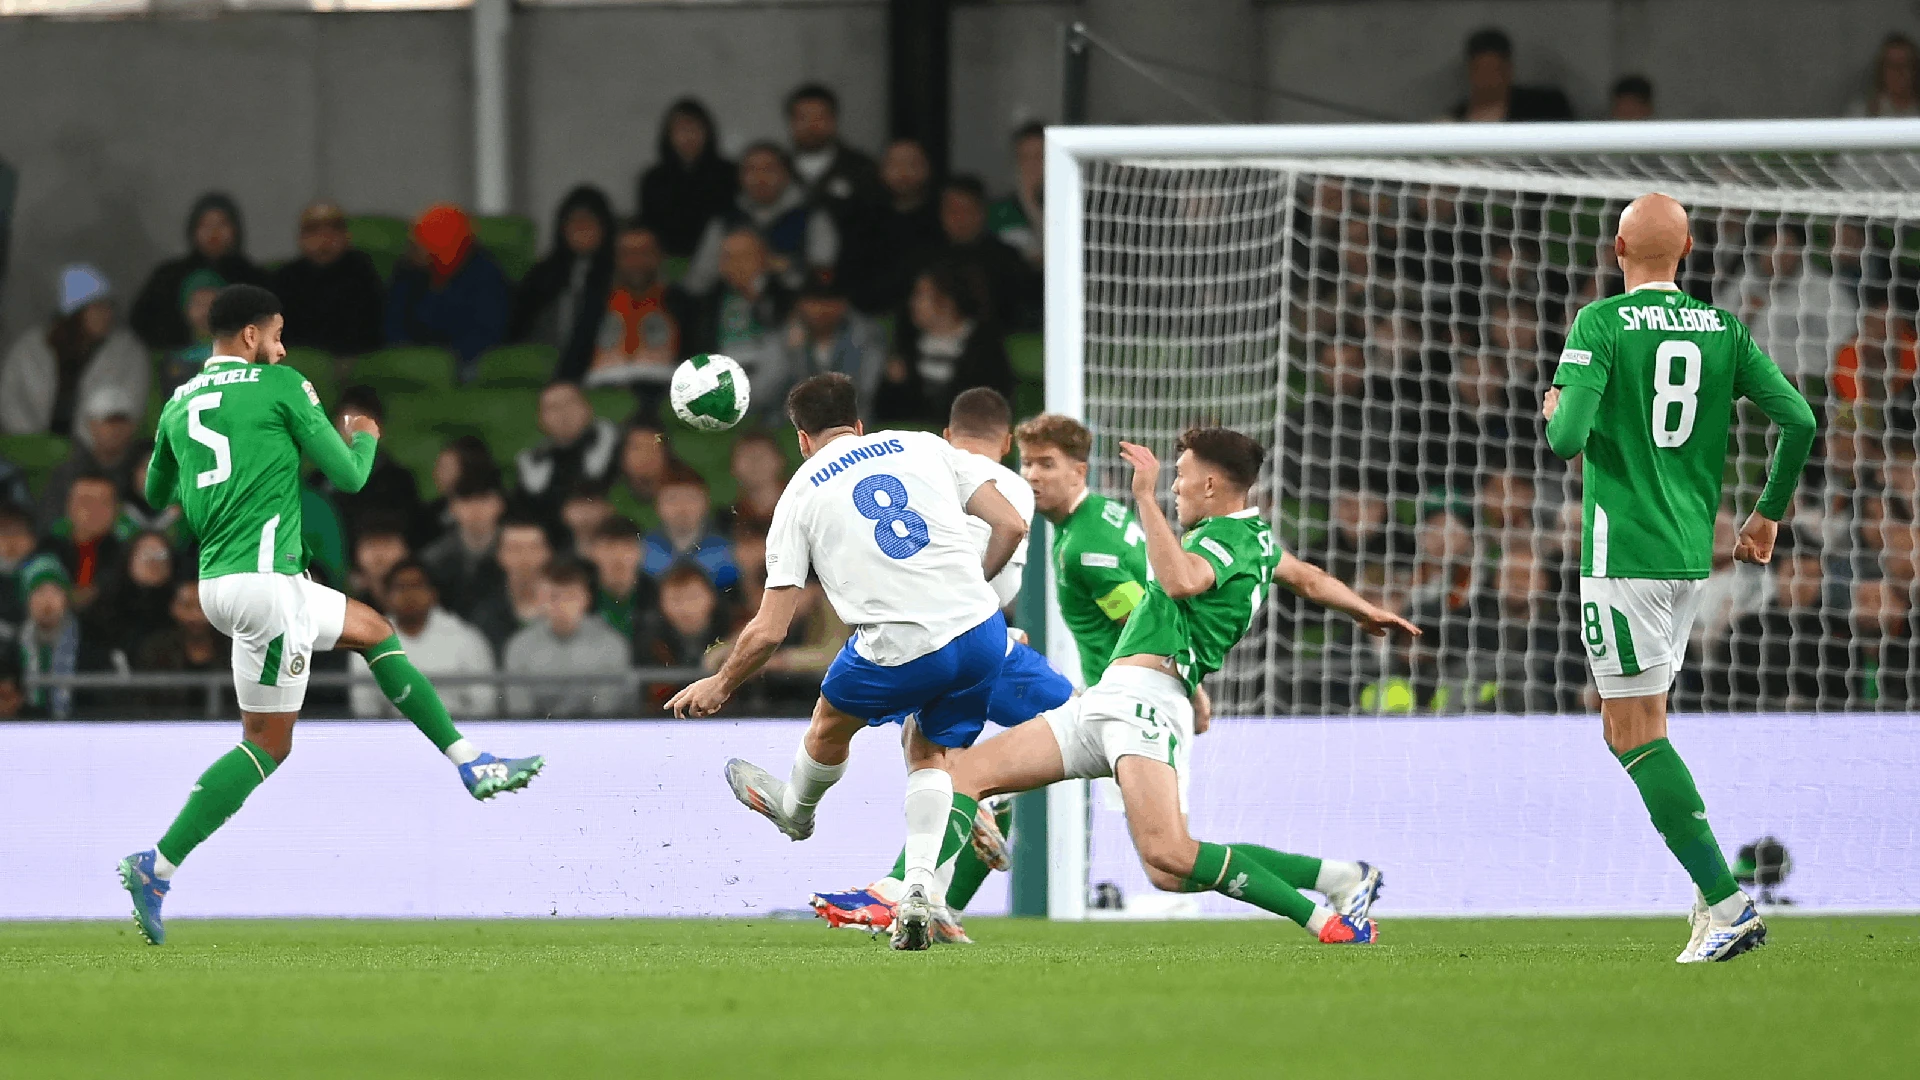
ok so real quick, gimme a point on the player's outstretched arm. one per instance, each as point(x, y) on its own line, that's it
point(1009, 528)
point(1326, 590)
point(758, 640)
point(1179, 572)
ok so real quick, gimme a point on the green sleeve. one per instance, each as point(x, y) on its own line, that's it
point(1219, 551)
point(1573, 421)
point(163, 474)
point(1587, 359)
point(348, 467)
point(1758, 379)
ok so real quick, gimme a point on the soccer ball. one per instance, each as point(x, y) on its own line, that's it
point(709, 392)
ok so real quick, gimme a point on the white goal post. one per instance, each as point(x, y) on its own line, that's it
point(1819, 171)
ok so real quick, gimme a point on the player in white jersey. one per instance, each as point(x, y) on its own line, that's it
point(980, 423)
point(881, 519)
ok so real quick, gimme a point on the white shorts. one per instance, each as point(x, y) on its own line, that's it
point(1131, 710)
point(1635, 630)
point(277, 622)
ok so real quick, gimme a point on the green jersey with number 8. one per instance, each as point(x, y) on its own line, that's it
point(228, 451)
point(1199, 631)
point(1669, 369)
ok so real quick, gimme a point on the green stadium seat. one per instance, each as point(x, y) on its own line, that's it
point(708, 453)
point(321, 370)
point(1029, 399)
point(1028, 355)
point(614, 403)
point(406, 368)
point(517, 367)
point(36, 454)
point(512, 240)
point(384, 239)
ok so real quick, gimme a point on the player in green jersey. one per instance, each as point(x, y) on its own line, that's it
point(1645, 394)
point(228, 451)
point(1099, 550)
point(1138, 720)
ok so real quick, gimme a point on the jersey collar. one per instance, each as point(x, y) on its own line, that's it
point(1251, 511)
point(1085, 493)
point(1663, 286)
point(212, 360)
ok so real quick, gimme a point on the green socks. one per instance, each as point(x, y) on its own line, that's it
point(959, 827)
point(968, 871)
point(222, 788)
point(1232, 871)
point(1678, 812)
point(1299, 871)
point(410, 692)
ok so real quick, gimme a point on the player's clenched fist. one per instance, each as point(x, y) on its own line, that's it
point(355, 423)
point(1146, 471)
point(703, 698)
point(1755, 544)
point(1550, 404)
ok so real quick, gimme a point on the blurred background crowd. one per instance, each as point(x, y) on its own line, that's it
point(536, 509)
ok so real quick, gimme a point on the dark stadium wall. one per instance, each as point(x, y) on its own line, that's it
point(1708, 59)
point(122, 123)
point(118, 124)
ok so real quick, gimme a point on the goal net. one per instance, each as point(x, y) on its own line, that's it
point(1384, 307)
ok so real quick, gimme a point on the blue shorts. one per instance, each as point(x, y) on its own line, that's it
point(948, 688)
point(1026, 687)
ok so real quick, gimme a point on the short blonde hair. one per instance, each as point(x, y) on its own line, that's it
point(1063, 433)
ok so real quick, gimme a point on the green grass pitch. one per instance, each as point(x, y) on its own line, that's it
point(1541, 999)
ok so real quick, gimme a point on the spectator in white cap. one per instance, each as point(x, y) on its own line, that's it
point(102, 446)
point(49, 372)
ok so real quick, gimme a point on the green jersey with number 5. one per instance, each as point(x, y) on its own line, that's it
point(228, 451)
point(1199, 631)
point(1669, 369)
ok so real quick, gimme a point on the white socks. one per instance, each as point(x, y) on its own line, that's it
point(162, 869)
point(1322, 914)
point(929, 802)
point(1729, 909)
point(461, 752)
point(1336, 876)
point(807, 783)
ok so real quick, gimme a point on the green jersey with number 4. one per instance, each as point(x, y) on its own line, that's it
point(1100, 573)
point(1669, 369)
point(228, 451)
point(1197, 632)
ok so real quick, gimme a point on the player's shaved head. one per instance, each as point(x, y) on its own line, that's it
point(1653, 235)
point(980, 413)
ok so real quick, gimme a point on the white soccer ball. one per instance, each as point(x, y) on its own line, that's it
point(709, 392)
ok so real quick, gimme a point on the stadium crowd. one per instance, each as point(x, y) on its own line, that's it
point(588, 534)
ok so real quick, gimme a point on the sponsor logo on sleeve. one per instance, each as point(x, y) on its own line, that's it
point(1219, 551)
point(1095, 558)
point(1582, 357)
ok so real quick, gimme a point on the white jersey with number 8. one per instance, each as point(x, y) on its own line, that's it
point(881, 519)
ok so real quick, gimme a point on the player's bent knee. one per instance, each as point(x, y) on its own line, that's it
point(1167, 855)
point(1164, 881)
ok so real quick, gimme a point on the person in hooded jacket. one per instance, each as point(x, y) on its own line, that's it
point(562, 299)
point(448, 291)
point(216, 241)
point(689, 183)
point(51, 371)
